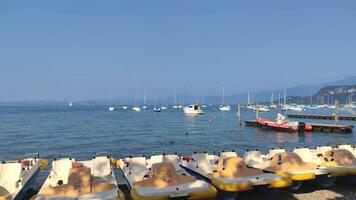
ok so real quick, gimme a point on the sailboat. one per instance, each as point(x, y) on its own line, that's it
point(272, 105)
point(144, 101)
point(224, 107)
point(136, 108)
point(155, 108)
point(175, 100)
point(111, 108)
point(70, 104)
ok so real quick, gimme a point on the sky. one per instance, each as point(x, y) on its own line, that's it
point(92, 50)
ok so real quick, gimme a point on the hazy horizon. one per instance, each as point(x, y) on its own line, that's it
point(75, 50)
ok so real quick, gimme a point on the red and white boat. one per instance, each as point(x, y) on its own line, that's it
point(282, 124)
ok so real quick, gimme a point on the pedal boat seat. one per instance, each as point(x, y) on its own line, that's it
point(80, 182)
point(234, 167)
point(164, 175)
point(4, 194)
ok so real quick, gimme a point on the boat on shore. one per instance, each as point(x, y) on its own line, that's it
point(16, 176)
point(162, 178)
point(229, 173)
point(89, 179)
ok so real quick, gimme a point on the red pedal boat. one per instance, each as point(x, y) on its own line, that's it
point(282, 125)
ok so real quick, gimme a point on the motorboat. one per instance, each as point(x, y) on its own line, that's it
point(111, 108)
point(299, 165)
point(16, 176)
point(89, 179)
point(124, 107)
point(229, 173)
point(260, 108)
point(193, 109)
point(225, 108)
point(162, 178)
point(156, 109)
point(136, 109)
point(282, 124)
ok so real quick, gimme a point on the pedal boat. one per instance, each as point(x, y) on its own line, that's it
point(16, 176)
point(162, 178)
point(229, 173)
point(90, 179)
point(298, 166)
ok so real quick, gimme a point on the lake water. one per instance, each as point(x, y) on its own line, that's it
point(82, 131)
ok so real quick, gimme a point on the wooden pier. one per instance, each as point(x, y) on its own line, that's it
point(323, 128)
point(326, 117)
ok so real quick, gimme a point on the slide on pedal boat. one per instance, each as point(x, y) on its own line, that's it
point(162, 178)
point(90, 179)
point(287, 164)
point(229, 173)
point(282, 124)
point(17, 175)
point(340, 158)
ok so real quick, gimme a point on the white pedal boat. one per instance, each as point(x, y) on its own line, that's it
point(90, 179)
point(300, 165)
point(17, 175)
point(162, 178)
point(229, 173)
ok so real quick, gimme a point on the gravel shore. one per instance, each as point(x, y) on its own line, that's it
point(308, 191)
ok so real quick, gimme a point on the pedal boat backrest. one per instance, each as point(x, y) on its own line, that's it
point(60, 171)
point(348, 147)
point(307, 156)
point(273, 152)
point(136, 169)
point(228, 154)
point(154, 159)
point(174, 160)
point(234, 167)
point(101, 166)
point(255, 159)
point(202, 163)
point(10, 176)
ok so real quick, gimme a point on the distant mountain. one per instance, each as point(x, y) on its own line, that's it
point(297, 91)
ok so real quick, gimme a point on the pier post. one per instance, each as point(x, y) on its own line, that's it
point(336, 112)
point(257, 110)
point(239, 113)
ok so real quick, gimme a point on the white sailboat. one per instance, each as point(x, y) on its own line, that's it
point(175, 106)
point(111, 108)
point(136, 108)
point(155, 108)
point(144, 101)
point(224, 107)
point(272, 105)
point(70, 104)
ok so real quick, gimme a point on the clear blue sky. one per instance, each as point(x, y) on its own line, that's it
point(65, 49)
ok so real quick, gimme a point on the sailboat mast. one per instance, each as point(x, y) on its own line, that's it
point(248, 97)
point(285, 98)
point(185, 95)
point(223, 96)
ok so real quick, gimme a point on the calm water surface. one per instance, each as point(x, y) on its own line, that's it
point(82, 131)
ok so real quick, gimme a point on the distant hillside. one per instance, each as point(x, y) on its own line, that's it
point(328, 95)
